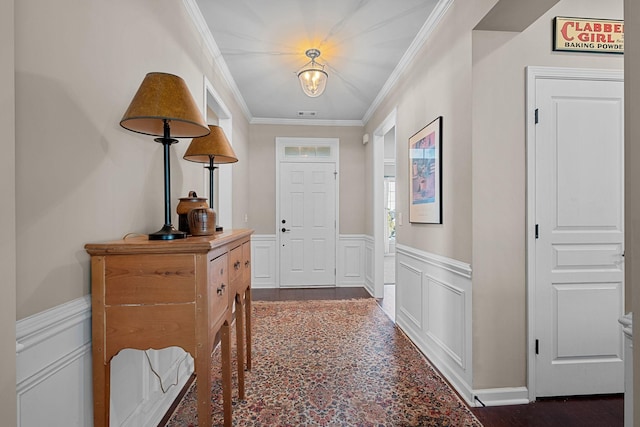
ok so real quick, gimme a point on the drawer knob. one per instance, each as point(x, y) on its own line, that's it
point(236, 265)
point(220, 290)
point(246, 263)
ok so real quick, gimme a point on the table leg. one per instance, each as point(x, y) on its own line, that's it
point(247, 306)
point(240, 343)
point(203, 386)
point(101, 392)
point(225, 345)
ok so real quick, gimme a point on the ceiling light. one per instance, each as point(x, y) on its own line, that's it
point(313, 78)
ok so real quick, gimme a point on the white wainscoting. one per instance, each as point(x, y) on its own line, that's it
point(54, 373)
point(433, 307)
point(53, 367)
point(263, 261)
point(351, 260)
point(369, 269)
point(350, 265)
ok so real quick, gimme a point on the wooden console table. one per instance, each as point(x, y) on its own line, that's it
point(157, 294)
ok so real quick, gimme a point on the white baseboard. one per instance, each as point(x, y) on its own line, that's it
point(54, 373)
point(501, 396)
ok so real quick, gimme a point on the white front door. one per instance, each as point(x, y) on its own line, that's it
point(579, 288)
point(307, 224)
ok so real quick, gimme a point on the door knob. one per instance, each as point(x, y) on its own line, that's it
point(285, 229)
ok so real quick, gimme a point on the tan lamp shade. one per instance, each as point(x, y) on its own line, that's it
point(164, 97)
point(214, 146)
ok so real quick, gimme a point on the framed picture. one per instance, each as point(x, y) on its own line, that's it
point(588, 35)
point(425, 174)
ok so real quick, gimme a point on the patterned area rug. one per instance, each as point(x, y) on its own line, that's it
point(332, 363)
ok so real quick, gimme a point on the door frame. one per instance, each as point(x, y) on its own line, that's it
point(533, 74)
point(280, 143)
point(224, 181)
point(378, 200)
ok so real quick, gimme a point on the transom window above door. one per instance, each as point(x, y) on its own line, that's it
point(307, 151)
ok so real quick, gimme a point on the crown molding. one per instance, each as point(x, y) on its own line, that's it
point(304, 122)
point(202, 27)
point(430, 24)
point(408, 57)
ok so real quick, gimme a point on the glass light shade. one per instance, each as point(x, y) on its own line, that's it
point(313, 79)
point(214, 146)
point(164, 97)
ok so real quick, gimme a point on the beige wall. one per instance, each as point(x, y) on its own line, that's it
point(499, 182)
point(241, 172)
point(7, 217)
point(438, 83)
point(632, 177)
point(80, 176)
point(262, 174)
point(475, 80)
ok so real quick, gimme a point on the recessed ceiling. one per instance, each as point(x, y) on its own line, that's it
point(362, 42)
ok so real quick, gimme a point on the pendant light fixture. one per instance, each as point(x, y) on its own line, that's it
point(312, 76)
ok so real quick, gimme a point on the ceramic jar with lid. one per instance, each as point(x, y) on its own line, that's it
point(185, 206)
point(202, 221)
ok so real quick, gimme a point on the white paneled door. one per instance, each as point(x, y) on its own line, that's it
point(579, 270)
point(307, 226)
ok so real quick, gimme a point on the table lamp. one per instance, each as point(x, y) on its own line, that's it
point(211, 149)
point(164, 107)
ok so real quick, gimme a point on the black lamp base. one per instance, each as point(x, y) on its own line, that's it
point(167, 233)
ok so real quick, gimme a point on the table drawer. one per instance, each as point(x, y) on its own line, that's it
point(149, 279)
point(218, 288)
point(246, 263)
point(236, 264)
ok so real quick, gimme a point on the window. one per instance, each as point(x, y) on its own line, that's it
point(307, 151)
point(390, 207)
